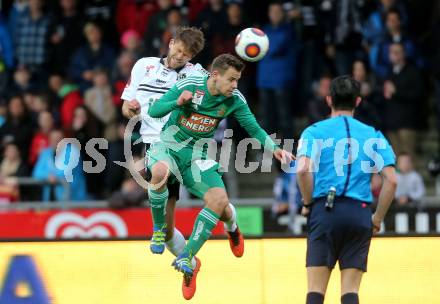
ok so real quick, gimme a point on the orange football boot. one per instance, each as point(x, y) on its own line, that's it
point(236, 242)
point(189, 281)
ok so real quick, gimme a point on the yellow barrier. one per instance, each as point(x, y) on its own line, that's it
point(401, 270)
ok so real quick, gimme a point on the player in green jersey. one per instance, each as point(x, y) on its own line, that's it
point(197, 105)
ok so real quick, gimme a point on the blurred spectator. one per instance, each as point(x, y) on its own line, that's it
point(29, 96)
point(54, 85)
point(130, 195)
point(287, 197)
point(40, 140)
point(410, 186)
point(102, 13)
point(285, 192)
point(6, 56)
point(365, 79)
point(131, 42)
point(85, 127)
point(70, 99)
point(435, 59)
point(31, 40)
point(114, 173)
point(48, 168)
point(195, 7)
point(224, 40)
point(174, 20)
point(156, 27)
point(306, 14)
point(121, 74)
point(18, 9)
point(367, 111)
point(40, 103)
point(317, 106)
point(6, 50)
point(65, 36)
point(134, 15)
point(276, 74)
point(3, 112)
point(95, 54)
point(374, 27)
point(98, 99)
point(11, 166)
point(379, 52)
point(343, 32)
point(18, 127)
point(211, 20)
point(21, 82)
point(403, 92)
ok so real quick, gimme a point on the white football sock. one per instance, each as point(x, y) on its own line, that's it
point(176, 245)
point(231, 225)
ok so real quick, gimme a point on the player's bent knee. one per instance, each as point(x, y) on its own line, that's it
point(350, 298)
point(315, 298)
point(159, 175)
point(218, 204)
point(217, 200)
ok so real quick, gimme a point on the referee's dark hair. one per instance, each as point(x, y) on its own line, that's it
point(344, 91)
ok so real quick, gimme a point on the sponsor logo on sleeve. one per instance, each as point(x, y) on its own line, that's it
point(198, 97)
point(148, 69)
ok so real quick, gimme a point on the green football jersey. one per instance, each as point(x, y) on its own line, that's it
point(200, 118)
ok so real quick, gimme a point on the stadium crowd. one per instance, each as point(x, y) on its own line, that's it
point(64, 64)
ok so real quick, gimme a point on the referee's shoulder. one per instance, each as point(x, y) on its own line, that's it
point(364, 127)
point(319, 125)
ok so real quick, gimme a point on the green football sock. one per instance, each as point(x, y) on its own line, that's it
point(205, 222)
point(158, 202)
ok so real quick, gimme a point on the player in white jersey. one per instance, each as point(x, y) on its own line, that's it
point(151, 77)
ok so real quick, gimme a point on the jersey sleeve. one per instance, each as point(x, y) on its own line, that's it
point(247, 120)
point(200, 70)
point(386, 152)
point(137, 73)
point(305, 144)
point(166, 104)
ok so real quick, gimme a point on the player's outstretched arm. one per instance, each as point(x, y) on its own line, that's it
point(283, 156)
point(173, 99)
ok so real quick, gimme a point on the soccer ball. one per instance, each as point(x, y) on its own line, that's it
point(251, 44)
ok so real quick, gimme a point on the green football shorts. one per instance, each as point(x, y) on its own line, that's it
point(191, 168)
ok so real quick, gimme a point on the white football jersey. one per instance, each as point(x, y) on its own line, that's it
point(149, 80)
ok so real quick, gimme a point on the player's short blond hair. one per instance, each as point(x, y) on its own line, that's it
point(192, 38)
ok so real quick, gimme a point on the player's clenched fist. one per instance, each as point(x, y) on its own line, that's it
point(131, 108)
point(184, 98)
